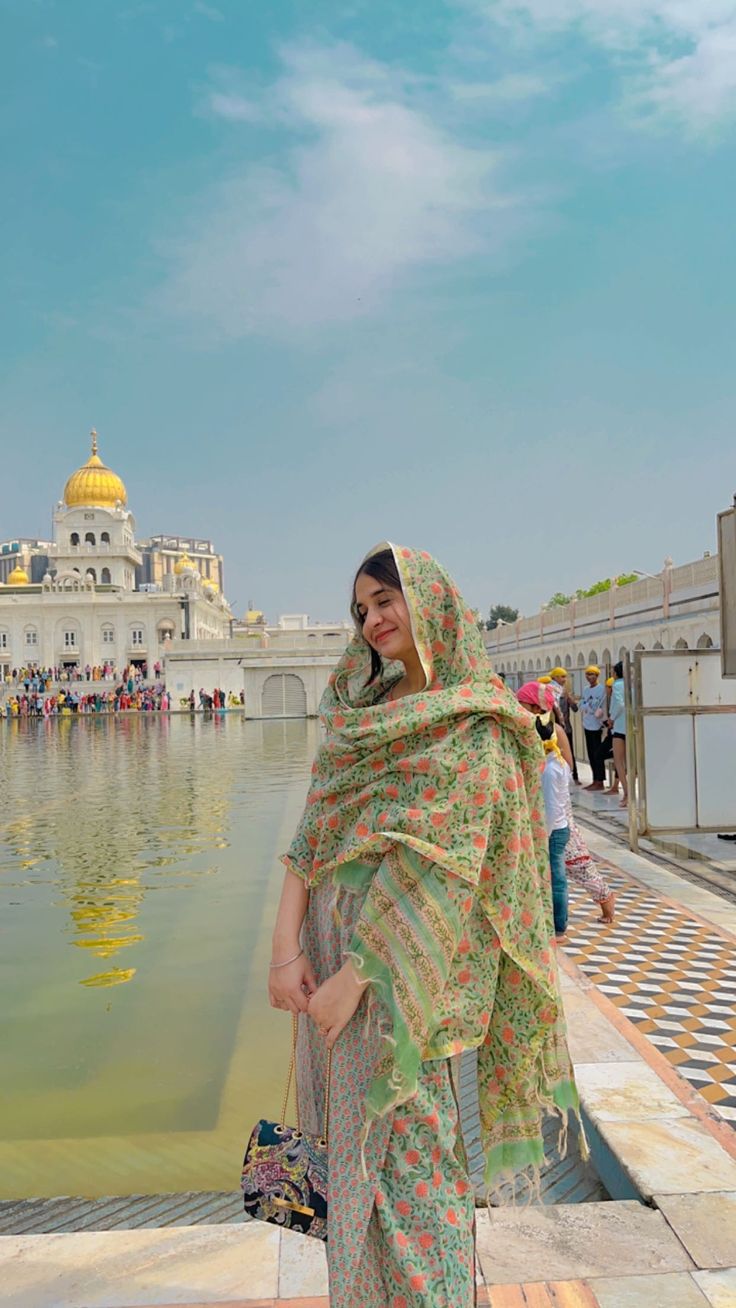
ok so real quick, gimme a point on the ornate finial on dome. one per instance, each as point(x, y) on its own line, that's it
point(94, 484)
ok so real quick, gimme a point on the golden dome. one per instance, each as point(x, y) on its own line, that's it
point(210, 583)
point(184, 564)
point(18, 577)
point(94, 484)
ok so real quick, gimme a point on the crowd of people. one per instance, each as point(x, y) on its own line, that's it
point(218, 700)
point(35, 678)
point(603, 710)
point(128, 696)
point(47, 693)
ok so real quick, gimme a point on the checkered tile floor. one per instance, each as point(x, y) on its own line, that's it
point(672, 976)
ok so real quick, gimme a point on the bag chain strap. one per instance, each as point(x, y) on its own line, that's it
point(291, 1076)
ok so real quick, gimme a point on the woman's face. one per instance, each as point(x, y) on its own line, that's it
point(384, 615)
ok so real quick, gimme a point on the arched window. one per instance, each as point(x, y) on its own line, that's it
point(547, 665)
point(108, 634)
point(105, 577)
point(74, 538)
point(622, 654)
point(539, 665)
point(606, 658)
point(523, 665)
point(515, 667)
point(581, 660)
point(681, 644)
point(639, 646)
point(92, 575)
point(568, 661)
point(89, 537)
point(704, 641)
point(657, 645)
point(105, 537)
point(593, 657)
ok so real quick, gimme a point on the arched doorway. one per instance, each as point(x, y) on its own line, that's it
point(284, 696)
point(704, 641)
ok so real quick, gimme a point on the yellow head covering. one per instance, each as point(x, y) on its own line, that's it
point(544, 681)
point(592, 668)
point(609, 681)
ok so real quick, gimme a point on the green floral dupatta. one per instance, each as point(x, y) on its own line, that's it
point(431, 805)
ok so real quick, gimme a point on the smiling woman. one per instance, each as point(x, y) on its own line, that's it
point(415, 923)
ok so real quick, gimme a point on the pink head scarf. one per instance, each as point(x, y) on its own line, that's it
point(534, 695)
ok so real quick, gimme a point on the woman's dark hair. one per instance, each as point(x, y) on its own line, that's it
point(618, 670)
point(381, 567)
point(545, 731)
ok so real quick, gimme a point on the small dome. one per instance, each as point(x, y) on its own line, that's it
point(210, 583)
point(184, 564)
point(18, 577)
point(94, 484)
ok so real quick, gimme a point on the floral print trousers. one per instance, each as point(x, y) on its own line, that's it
point(420, 1245)
point(401, 1214)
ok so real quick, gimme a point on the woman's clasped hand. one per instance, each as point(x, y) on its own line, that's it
point(334, 1002)
point(293, 987)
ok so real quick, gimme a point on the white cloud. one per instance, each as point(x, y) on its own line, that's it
point(369, 189)
point(513, 88)
point(677, 57)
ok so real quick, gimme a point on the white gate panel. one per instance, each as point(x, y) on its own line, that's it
point(715, 753)
point(665, 681)
point(670, 772)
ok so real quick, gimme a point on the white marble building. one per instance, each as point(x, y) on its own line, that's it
point(86, 609)
point(678, 609)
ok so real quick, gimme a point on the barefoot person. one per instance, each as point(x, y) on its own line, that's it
point(617, 724)
point(567, 703)
point(579, 864)
point(415, 922)
point(593, 709)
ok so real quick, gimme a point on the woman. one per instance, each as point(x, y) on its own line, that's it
point(579, 864)
point(617, 724)
point(415, 922)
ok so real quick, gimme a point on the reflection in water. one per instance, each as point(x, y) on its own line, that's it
point(138, 874)
point(122, 807)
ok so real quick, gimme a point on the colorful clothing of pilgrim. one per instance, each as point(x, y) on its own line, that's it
point(427, 811)
point(580, 866)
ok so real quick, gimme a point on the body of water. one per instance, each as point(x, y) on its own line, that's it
point(139, 878)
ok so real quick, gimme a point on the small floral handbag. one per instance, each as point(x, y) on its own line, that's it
point(284, 1177)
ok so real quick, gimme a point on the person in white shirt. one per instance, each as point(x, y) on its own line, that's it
point(556, 790)
point(539, 700)
point(593, 709)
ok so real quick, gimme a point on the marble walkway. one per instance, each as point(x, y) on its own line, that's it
point(665, 1150)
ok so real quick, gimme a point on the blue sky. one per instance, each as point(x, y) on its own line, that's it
point(459, 275)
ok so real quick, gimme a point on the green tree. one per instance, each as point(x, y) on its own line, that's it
point(558, 600)
point(501, 613)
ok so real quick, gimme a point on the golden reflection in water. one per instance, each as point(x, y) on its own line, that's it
point(139, 878)
point(114, 828)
